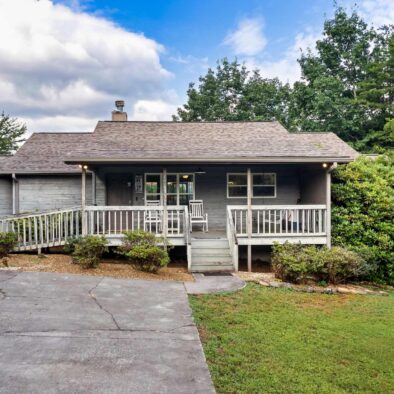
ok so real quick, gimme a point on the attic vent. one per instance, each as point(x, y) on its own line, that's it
point(118, 115)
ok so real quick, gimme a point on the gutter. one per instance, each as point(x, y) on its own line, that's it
point(288, 159)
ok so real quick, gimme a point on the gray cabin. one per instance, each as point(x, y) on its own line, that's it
point(209, 187)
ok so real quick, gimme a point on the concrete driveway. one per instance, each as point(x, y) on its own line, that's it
point(72, 334)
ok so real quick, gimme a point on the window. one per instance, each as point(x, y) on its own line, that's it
point(185, 188)
point(263, 185)
point(152, 187)
point(180, 188)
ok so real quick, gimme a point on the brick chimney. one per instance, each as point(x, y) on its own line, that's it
point(118, 115)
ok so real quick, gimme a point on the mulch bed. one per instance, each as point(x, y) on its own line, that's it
point(109, 267)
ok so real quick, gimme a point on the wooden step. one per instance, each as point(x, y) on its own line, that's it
point(210, 243)
point(212, 268)
point(211, 259)
point(210, 251)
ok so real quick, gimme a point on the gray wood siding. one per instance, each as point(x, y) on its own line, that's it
point(212, 186)
point(5, 196)
point(100, 190)
point(38, 193)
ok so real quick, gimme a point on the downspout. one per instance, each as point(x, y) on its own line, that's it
point(15, 195)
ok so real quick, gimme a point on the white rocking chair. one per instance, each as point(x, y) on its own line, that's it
point(152, 218)
point(197, 215)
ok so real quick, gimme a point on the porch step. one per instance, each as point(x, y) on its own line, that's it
point(211, 255)
point(210, 242)
point(206, 258)
point(212, 268)
point(210, 251)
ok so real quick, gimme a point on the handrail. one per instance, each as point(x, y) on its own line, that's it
point(232, 239)
point(24, 215)
point(280, 206)
point(133, 207)
point(188, 238)
point(233, 234)
point(187, 226)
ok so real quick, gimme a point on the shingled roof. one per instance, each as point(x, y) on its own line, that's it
point(44, 153)
point(130, 142)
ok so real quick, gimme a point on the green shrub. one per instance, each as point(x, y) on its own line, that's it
point(88, 251)
point(8, 241)
point(142, 249)
point(298, 263)
point(340, 264)
point(363, 211)
point(70, 244)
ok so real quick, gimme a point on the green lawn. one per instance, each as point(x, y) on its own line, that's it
point(274, 340)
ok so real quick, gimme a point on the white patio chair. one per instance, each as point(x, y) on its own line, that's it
point(197, 215)
point(152, 218)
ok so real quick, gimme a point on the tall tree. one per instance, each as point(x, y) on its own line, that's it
point(11, 133)
point(333, 76)
point(231, 92)
point(347, 87)
point(376, 94)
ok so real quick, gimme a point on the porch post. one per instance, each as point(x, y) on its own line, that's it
point(165, 213)
point(328, 207)
point(83, 201)
point(249, 221)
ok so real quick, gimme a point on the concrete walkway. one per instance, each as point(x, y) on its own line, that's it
point(63, 333)
point(210, 284)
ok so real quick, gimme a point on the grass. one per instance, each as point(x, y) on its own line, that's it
point(263, 340)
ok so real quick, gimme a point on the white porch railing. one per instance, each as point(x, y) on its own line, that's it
point(49, 229)
point(277, 220)
point(114, 220)
point(43, 230)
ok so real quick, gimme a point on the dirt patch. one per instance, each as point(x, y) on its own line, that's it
point(255, 276)
point(108, 267)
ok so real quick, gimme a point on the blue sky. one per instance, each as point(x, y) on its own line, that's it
point(193, 32)
point(64, 62)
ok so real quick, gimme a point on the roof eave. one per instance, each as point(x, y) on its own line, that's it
point(289, 159)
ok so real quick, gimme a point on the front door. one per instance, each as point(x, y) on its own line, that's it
point(119, 190)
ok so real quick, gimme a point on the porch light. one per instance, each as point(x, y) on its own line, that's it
point(325, 165)
point(200, 171)
point(185, 176)
point(85, 167)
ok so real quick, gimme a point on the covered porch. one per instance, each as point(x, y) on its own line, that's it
point(246, 205)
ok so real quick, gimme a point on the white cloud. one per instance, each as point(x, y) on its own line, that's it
point(153, 110)
point(286, 68)
point(59, 123)
point(59, 63)
point(248, 39)
point(377, 12)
